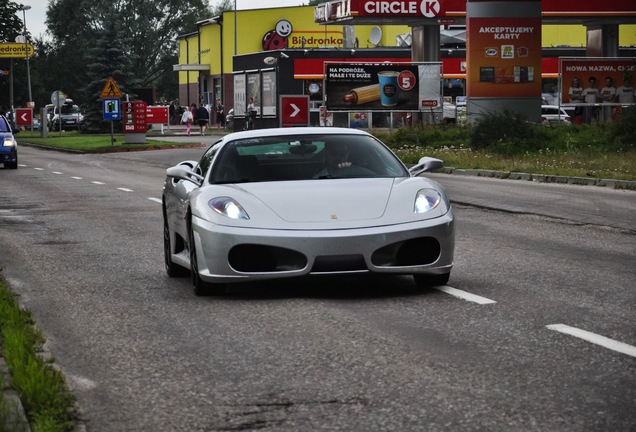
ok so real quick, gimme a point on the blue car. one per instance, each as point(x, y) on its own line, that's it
point(9, 149)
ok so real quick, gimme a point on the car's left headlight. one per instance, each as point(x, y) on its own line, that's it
point(8, 142)
point(228, 207)
point(426, 200)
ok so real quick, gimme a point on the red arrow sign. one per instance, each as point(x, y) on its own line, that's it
point(294, 110)
point(23, 116)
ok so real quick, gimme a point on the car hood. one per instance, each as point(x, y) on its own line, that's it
point(314, 201)
point(318, 204)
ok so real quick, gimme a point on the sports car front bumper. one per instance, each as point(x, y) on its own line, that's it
point(230, 254)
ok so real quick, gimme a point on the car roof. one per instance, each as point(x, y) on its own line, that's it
point(310, 130)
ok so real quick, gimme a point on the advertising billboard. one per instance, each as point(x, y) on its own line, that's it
point(616, 74)
point(504, 57)
point(382, 86)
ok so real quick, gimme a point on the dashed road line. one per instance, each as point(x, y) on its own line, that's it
point(97, 182)
point(157, 200)
point(57, 172)
point(464, 295)
point(39, 169)
point(594, 338)
point(124, 189)
point(76, 178)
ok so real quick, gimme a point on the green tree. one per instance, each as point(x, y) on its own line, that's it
point(151, 29)
point(107, 59)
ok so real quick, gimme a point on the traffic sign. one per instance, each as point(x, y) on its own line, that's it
point(58, 97)
point(23, 116)
point(111, 107)
point(110, 89)
point(294, 110)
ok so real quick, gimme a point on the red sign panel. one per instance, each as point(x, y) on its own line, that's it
point(294, 110)
point(23, 116)
point(157, 114)
point(134, 117)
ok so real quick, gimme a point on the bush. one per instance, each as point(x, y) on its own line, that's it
point(507, 133)
point(623, 134)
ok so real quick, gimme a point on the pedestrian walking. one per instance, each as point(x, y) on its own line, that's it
point(187, 120)
point(203, 118)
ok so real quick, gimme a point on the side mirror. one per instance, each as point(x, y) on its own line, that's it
point(184, 172)
point(426, 164)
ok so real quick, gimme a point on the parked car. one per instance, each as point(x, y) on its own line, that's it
point(285, 202)
point(67, 116)
point(554, 114)
point(9, 149)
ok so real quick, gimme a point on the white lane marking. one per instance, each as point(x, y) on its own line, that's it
point(157, 200)
point(22, 165)
point(97, 182)
point(595, 339)
point(464, 295)
point(76, 178)
point(39, 169)
point(57, 172)
point(125, 189)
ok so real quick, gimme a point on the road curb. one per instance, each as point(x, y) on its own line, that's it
point(542, 178)
point(13, 417)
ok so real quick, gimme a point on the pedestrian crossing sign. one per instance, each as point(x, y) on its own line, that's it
point(110, 89)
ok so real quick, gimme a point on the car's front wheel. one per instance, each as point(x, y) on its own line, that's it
point(172, 269)
point(201, 287)
point(429, 280)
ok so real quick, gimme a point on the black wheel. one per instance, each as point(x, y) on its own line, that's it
point(201, 287)
point(428, 281)
point(172, 269)
point(12, 165)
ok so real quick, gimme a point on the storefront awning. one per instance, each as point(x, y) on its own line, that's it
point(190, 67)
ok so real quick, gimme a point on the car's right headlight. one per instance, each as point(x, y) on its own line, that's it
point(227, 206)
point(426, 200)
point(8, 142)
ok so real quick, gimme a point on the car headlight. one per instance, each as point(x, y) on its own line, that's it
point(426, 200)
point(8, 142)
point(227, 206)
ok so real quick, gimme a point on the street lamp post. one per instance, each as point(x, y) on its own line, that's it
point(25, 8)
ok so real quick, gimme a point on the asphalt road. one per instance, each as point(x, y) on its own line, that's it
point(81, 241)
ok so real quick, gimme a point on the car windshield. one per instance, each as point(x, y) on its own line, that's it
point(4, 126)
point(305, 157)
point(70, 109)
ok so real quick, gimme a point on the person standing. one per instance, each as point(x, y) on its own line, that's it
point(220, 115)
point(625, 93)
point(575, 94)
point(202, 117)
point(187, 120)
point(172, 109)
point(591, 94)
point(607, 96)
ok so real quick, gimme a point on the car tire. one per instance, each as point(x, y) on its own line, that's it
point(428, 280)
point(201, 287)
point(172, 269)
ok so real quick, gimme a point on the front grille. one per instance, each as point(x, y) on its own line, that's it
point(338, 263)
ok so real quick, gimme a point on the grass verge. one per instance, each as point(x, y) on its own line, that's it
point(75, 141)
point(48, 404)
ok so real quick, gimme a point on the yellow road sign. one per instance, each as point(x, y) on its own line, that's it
point(110, 89)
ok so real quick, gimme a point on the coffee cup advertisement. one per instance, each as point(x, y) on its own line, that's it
point(371, 87)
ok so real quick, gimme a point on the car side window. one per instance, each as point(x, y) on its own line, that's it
point(206, 159)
